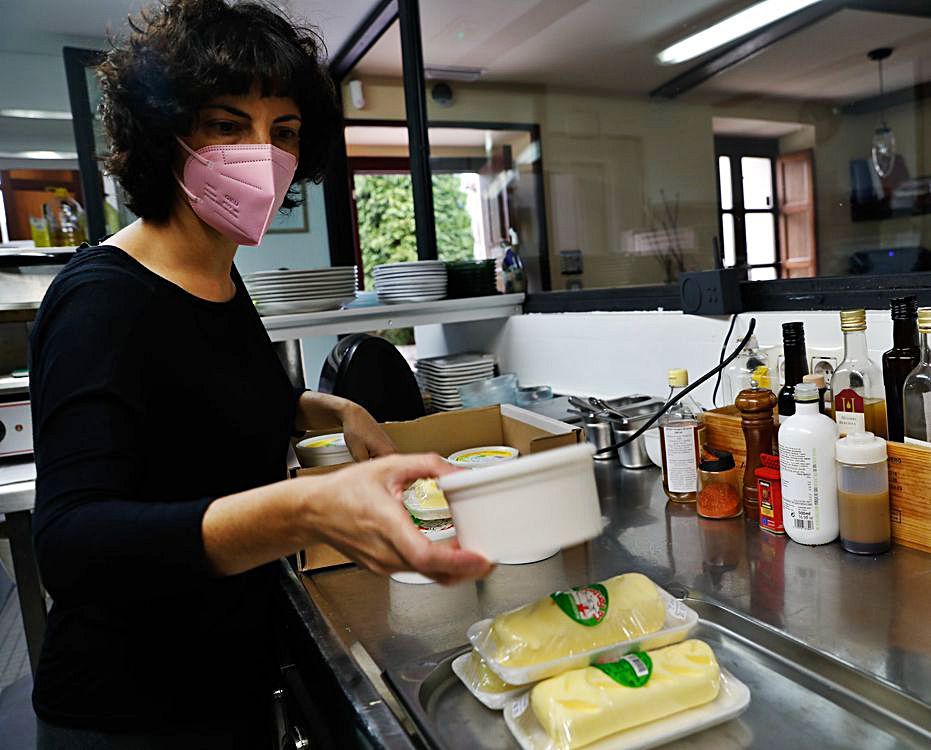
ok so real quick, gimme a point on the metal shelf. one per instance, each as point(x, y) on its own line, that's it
point(380, 317)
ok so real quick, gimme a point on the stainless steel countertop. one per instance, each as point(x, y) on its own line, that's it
point(871, 612)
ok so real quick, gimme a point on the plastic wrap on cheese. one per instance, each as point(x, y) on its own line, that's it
point(425, 500)
point(482, 679)
point(575, 621)
point(585, 705)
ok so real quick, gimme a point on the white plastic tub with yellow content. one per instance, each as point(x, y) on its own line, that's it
point(528, 508)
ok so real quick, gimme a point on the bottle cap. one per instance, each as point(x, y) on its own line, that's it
point(719, 461)
point(904, 308)
point(793, 333)
point(806, 392)
point(815, 378)
point(678, 378)
point(924, 319)
point(852, 320)
point(861, 448)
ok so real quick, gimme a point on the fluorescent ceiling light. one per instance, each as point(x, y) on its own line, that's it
point(36, 114)
point(452, 73)
point(38, 155)
point(740, 24)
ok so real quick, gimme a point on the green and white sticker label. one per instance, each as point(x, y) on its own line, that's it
point(633, 670)
point(587, 605)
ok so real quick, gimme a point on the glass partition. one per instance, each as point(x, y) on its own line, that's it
point(647, 169)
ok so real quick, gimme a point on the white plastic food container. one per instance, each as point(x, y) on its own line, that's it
point(463, 669)
point(323, 450)
point(526, 509)
point(486, 455)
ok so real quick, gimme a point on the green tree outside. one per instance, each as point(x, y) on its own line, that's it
point(385, 213)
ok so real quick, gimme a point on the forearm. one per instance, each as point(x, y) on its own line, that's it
point(320, 410)
point(251, 528)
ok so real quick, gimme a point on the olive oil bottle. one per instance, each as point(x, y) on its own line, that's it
point(857, 384)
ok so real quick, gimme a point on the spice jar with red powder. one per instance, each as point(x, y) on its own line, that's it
point(719, 494)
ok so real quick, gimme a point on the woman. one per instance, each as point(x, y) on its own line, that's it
point(163, 416)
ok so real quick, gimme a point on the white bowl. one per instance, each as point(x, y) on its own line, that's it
point(526, 508)
point(654, 450)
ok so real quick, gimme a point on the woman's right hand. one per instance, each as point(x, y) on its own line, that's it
point(358, 510)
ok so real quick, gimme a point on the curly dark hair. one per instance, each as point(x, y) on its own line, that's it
point(180, 54)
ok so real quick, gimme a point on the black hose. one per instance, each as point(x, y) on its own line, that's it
point(717, 382)
point(724, 363)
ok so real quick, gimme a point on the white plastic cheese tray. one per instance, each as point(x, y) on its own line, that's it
point(732, 700)
point(462, 668)
point(680, 620)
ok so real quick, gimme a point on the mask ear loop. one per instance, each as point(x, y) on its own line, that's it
point(201, 159)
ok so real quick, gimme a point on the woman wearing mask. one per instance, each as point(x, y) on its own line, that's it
point(163, 415)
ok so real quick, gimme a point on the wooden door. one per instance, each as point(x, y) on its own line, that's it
point(795, 191)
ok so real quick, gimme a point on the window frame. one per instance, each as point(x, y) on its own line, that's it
point(817, 293)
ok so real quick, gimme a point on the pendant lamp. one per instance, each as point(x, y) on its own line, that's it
point(883, 147)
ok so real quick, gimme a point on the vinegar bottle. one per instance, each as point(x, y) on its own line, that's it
point(796, 361)
point(917, 390)
point(809, 479)
point(680, 442)
point(900, 360)
point(857, 385)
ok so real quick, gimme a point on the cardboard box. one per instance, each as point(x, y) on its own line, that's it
point(448, 432)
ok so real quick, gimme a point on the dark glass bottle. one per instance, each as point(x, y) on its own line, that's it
point(900, 360)
point(796, 359)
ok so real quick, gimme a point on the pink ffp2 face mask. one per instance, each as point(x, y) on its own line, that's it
point(237, 189)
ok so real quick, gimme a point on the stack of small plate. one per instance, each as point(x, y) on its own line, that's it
point(442, 376)
point(283, 292)
point(415, 281)
point(323, 450)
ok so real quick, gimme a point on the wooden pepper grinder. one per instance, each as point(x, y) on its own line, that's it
point(756, 418)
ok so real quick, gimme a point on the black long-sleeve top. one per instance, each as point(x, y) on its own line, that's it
point(148, 404)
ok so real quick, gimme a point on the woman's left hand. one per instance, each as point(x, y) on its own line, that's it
point(364, 437)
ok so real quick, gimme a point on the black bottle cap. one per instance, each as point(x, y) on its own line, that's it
point(904, 308)
point(722, 461)
point(793, 333)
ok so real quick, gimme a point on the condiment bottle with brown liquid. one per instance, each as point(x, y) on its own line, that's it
point(857, 383)
point(756, 418)
point(863, 494)
point(680, 442)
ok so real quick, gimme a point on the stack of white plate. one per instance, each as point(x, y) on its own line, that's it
point(415, 281)
point(323, 450)
point(283, 292)
point(442, 376)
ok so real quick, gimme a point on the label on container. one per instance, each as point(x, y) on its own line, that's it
point(850, 412)
point(916, 441)
point(770, 505)
point(633, 670)
point(586, 605)
point(681, 458)
point(801, 488)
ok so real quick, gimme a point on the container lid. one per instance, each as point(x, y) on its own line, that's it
point(334, 443)
point(527, 466)
point(852, 320)
point(722, 461)
point(861, 448)
point(483, 456)
point(806, 392)
point(904, 308)
point(678, 378)
point(815, 378)
point(924, 319)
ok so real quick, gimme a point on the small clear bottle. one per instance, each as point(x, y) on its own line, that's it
point(857, 383)
point(917, 390)
point(680, 442)
point(863, 494)
point(808, 475)
point(740, 372)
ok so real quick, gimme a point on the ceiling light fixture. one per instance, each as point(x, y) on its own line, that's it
point(733, 27)
point(67, 155)
point(452, 73)
point(36, 114)
point(883, 146)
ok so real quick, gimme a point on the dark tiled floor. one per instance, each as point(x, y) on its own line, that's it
point(17, 721)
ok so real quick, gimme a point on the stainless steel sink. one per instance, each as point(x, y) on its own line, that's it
point(800, 698)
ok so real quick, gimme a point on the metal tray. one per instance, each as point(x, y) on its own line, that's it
point(800, 697)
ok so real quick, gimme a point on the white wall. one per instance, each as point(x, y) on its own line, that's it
point(616, 353)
